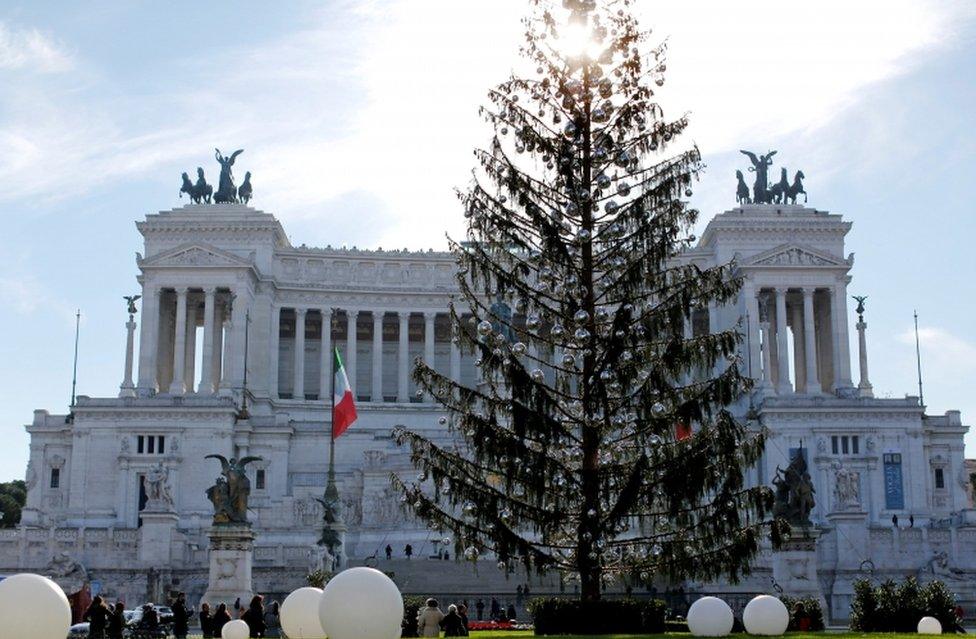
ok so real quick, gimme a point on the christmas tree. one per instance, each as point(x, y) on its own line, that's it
point(599, 441)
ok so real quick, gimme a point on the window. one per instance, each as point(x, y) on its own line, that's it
point(151, 444)
point(55, 478)
point(834, 448)
point(259, 479)
point(939, 478)
point(844, 445)
point(855, 445)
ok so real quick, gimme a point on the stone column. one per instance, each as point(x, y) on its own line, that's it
point(455, 355)
point(376, 392)
point(190, 360)
point(325, 365)
point(754, 345)
point(239, 315)
point(429, 318)
point(209, 328)
point(403, 387)
point(298, 385)
point(864, 386)
point(783, 385)
point(810, 342)
point(768, 384)
point(177, 387)
point(275, 350)
point(225, 347)
point(842, 360)
point(799, 348)
point(219, 358)
point(127, 388)
point(351, 348)
point(149, 340)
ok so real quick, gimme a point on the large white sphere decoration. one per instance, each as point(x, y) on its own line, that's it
point(33, 606)
point(766, 615)
point(710, 617)
point(300, 614)
point(236, 629)
point(361, 603)
point(929, 626)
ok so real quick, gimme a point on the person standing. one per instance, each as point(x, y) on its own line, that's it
point(408, 551)
point(97, 617)
point(463, 613)
point(389, 552)
point(254, 616)
point(181, 617)
point(272, 620)
point(496, 610)
point(221, 617)
point(511, 614)
point(479, 609)
point(206, 621)
point(453, 624)
point(116, 622)
point(429, 620)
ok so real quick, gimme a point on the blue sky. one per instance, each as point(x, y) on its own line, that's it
point(358, 119)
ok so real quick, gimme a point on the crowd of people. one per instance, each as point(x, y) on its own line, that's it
point(107, 622)
point(431, 620)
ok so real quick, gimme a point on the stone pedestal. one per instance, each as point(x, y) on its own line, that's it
point(851, 545)
point(231, 558)
point(795, 565)
point(156, 536)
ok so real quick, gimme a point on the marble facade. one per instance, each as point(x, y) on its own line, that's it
point(213, 276)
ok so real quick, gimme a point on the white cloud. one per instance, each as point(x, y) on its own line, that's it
point(381, 98)
point(31, 50)
point(942, 351)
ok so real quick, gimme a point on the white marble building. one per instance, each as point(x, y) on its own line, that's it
point(216, 276)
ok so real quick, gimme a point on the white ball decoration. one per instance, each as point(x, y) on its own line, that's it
point(710, 617)
point(300, 614)
point(361, 603)
point(236, 629)
point(766, 615)
point(929, 626)
point(33, 606)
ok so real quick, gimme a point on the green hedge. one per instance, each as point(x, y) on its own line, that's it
point(554, 616)
point(891, 607)
point(811, 607)
point(411, 607)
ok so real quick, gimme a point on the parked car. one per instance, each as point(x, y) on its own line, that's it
point(78, 631)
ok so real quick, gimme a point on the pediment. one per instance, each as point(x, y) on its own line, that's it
point(194, 255)
point(795, 255)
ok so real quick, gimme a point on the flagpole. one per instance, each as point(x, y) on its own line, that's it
point(331, 492)
point(74, 367)
point(918, 363)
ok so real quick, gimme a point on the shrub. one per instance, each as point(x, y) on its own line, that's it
point(890, 607)
point(411, 608)
point(554, 616)
point(811, 609)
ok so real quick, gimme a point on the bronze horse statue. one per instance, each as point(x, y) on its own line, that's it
point(244, 190)
point(742, 190)
point(795, 189)
point(778, 191)
point(199, 192)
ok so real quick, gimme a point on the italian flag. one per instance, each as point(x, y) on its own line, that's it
point(343, 404)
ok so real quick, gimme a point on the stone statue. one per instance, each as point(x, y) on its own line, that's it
point(229, 495)
point(760, 166)
point(245, 190)
point(502, 322)
point(199, 192)
point(157, 487)
point(741, 190)
point(67, 572)
point(331, 539)
point(860, 306)
point(131, 299)
point(938, 567)
point(847, 487)
point(226, 190)
point(794, 492)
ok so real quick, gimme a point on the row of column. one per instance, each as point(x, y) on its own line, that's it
point(351, 351)
point(223, 331)
point(820, 347)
